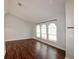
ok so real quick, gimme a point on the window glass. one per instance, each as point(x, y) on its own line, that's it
point(38, 30)
point(43, 31)
point(52, 32)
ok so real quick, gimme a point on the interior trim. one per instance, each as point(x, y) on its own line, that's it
point(55, 45)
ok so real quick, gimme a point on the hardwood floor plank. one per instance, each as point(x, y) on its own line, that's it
point(32, 49)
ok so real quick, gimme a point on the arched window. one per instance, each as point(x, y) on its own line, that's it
point(43, 31)
point(38, 31)
point(52, 35)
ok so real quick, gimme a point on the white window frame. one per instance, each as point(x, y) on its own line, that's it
point(39, 31)
point(47, 24)
point(52, 33)
point(43, 33)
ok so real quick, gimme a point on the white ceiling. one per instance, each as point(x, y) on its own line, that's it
point(36, 10)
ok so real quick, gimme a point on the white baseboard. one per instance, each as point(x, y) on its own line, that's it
point(55, 45)
point(52, 44)
point(67, 58)
point(16, 39)
point(11, 39)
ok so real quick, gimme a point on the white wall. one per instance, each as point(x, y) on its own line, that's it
point(69, 32)
point(16, 29)
point(60, 23)
point(61, 33)
point(6, 6)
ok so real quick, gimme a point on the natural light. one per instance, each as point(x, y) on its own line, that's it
point(47, 32)
point(52, 32)
point(43, 31)
point(38, 30)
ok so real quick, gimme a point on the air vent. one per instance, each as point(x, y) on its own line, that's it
point(19, 4)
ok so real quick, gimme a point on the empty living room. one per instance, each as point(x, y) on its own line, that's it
point(39, 29)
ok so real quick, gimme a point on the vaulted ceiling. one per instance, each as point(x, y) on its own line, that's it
point(35, 10)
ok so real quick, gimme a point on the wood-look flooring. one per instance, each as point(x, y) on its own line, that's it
point(32, 49)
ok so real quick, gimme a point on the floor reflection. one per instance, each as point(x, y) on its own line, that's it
point(46, 52)
point(32, 49)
